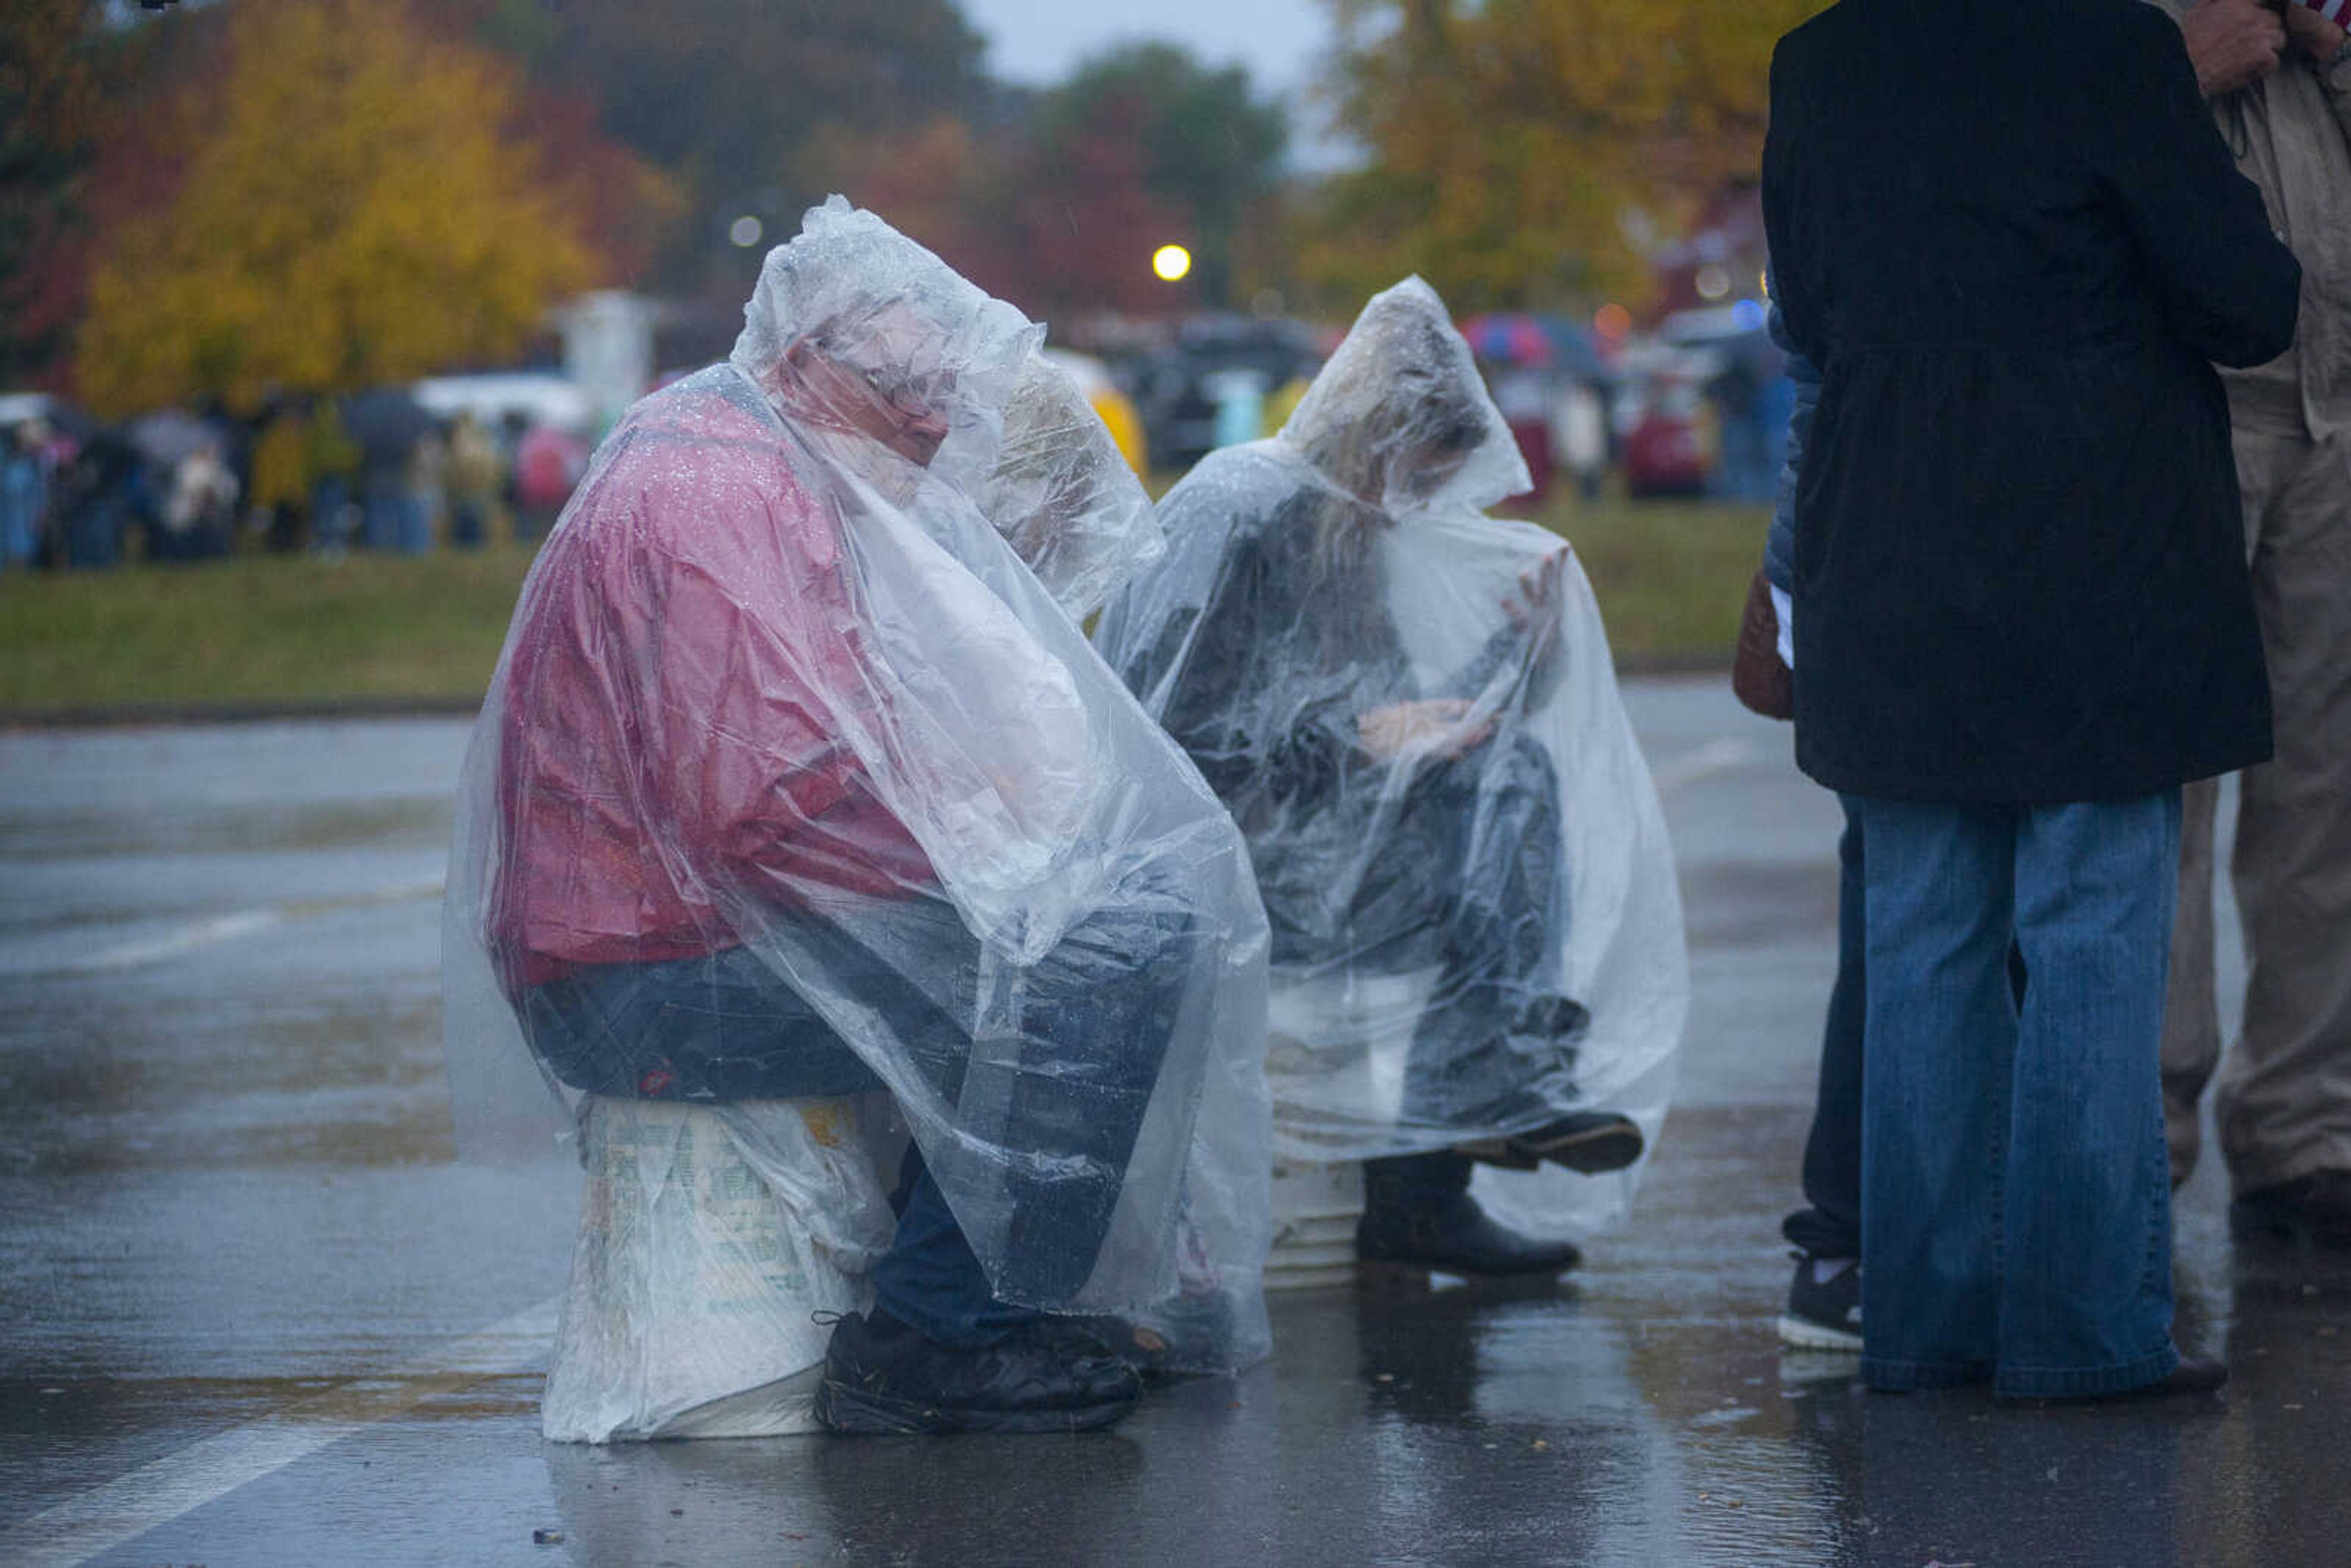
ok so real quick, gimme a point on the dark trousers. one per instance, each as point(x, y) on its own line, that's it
point(1469, 874)
point(1829, 1226)
point(331, 499)
point(392, 517)
point(1093, 1023)
point(468, 524)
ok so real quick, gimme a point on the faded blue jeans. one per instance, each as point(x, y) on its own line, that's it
point(1100, 1010)
point(2016, 1204)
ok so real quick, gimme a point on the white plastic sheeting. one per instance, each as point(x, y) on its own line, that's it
point(714, 1244)
point(795, 782)
point(1411, 710)
point(1059, 461)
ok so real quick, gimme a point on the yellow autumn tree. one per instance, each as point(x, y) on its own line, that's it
point(353, 210)
point(1515, 147)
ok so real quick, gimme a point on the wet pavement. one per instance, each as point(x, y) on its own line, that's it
point(252, 1312)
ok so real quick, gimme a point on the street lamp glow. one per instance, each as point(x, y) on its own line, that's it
point(1171, 262)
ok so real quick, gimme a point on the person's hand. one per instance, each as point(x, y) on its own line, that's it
point(1439, 725)
point(2312, 32)
point(2233, 43)
point(1538, 592)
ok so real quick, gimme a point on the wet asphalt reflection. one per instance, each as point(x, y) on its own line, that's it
point(253, 1311)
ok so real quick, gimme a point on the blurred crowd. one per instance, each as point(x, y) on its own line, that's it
point(1697, 408)
point(1684, 413)
point(370, 471)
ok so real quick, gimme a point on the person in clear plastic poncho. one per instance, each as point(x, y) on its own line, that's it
point(1411, 711)
point(797, 780)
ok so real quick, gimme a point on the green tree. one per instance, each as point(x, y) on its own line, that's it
point(1512, 142)
point(1210, 152)
point(355, 207)
point(726, 96)
point(50, 97)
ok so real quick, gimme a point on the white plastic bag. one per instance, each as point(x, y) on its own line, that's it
point(711, 1237)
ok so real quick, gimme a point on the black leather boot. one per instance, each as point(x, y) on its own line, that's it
point(1417, 1211)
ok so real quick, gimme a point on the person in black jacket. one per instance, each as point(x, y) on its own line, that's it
point(2012, 240)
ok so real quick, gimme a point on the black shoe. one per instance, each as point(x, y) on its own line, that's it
point(880, 1375)
point(2192, 1375)
point(1451, 1232)
point(2190, 1378)
point(2314, 1211)
point(1591, 1141)
point(1824, 1313)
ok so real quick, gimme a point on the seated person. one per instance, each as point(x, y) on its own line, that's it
point(1371, 674)
point(801, 784)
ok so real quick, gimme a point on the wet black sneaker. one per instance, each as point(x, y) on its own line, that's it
point(1824, 1305)
point(2312, 1210)
point(880, 1375)
point(2192, 1379)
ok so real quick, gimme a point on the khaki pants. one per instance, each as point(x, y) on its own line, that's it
point(2283, 1105)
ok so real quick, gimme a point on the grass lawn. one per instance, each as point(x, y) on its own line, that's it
point(1670, 577)
point(257, 629)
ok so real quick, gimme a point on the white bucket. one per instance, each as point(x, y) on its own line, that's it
point(710, 1239)
point(1315, 1207)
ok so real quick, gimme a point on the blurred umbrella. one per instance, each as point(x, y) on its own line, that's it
point(62, 417)
point(1537, 342)
point(1508, 337)
point(171, 436)
point(387, 422)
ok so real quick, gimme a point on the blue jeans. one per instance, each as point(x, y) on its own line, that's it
point(94, 535)
point(394, 517)
point(330, 496)
point(1098, 1014)
point(2016, 1206)
point(1829, 1226)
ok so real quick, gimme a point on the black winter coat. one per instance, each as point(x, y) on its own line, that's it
point(2012, 240)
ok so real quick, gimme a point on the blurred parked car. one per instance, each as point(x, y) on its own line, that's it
point(502, 399)
point(1176, 389)
point(1670, 449)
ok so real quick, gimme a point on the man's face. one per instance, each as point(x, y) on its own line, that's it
point(882, 378)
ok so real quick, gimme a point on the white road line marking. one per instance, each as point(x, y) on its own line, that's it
point(154, 1494)
point(216, 929)
point(1723, 754)
point(186, 939)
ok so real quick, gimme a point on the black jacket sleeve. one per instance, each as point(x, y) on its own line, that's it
point(2231, 287)
point(1221, 707)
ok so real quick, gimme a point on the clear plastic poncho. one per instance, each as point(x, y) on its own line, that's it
point(795, 780)
point(1411, 710)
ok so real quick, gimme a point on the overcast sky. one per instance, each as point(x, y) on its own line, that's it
point(1037, 41)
